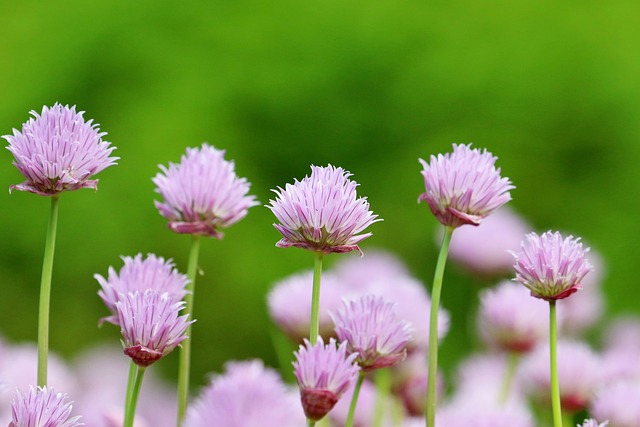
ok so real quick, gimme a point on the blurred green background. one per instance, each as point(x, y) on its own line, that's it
point(552, 89)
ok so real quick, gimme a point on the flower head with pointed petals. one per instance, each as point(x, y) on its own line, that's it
point(322, 213)
point(593, 423)
point(324, 373)
point(58, 151)
point(150, 325)
point(372, 329)
point(551, 266)
point(202, 194)
point(464, 186)
point(138, 274)
point(42, 407)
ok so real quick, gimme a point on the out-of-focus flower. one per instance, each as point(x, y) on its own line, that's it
point(324, 373)
point(551, 266)
point(322, 213)
point(202, 194)
point(247, 395)
point(58, 151)
point(42, 407)
point(463, 187)
point(618, 403)
point(139, 274)
point(485, 250)
point(289, 304)
point(357, 273)
point(372, 329)
point(510, 319)
point(578, 374)
point(150, 325)
point(593, 423)
point(483, 416)
point(409, 382)
point(368, 401)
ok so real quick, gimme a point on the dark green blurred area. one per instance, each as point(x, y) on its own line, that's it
point(552, 89)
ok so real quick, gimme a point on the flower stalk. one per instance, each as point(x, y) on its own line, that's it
point(315, 299)
point(132, 397)
point(354, 399)
point(553, 349)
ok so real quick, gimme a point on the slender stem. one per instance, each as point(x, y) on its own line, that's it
point(132, 398)
point(513, 359)
point(185, 352)
point(354, 400)
point(310, 423)
point(383, 388)
point(315, 299)
point(430, 411)
point(130, 382)
point(45, 293)
point(555, 387)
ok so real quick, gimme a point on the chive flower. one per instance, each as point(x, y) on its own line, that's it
point(551, 266)
point(463, 187)
point(57, 151)
point(40, 407)
point(202, 194)
point(322, 213)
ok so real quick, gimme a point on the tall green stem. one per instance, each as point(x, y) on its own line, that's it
point(45, 293)
point(354, 400)
point(315, 299)
point(433, 327)
point(553, 354)
point(185, 352)
point(509, 374)
point(132, 398)
point(383, 389)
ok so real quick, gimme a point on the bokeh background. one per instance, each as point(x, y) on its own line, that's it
point(552, 89)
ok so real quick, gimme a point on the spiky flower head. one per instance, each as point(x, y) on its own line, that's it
point(138, 274)
point(322, 213)
point(247, 394)
point(551, 266)
point(202, 194)
point(42, 407)
point(324, 373)
point(58, 151)
point(150, 324)
point(372, 329)
point(464, 186)
point(593, 423)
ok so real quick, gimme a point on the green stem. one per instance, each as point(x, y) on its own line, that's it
point(310, 423)
point(130, 382)
point(132, 398)
point(354, 400)
point(513, 359)
point(45, 292)
point(433, 328)
point(185, 351)
point(383, 389)
point(315, 299)
point(555, 387)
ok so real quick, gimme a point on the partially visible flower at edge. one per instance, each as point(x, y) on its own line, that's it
point(42, 406)
point(593, 423)
point(58, 151)
point(464, 186)
point(322, 213)
point(202, 194)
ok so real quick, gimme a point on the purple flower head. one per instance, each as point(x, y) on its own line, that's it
point(202, 194)
point(510, 319)
point(618, 403)
point(593, 423)
point(150, 325)
point(289, 304)
point(372, 329)
point(324, 373)
point(139, 274)
point(551, 266)
point(247, 395)
point(464, 187)
point(42, 407)
point(322, 212)
point(58, 151)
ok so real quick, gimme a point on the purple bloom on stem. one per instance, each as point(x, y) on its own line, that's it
point(322, 213)
point(372, 329)
point(42, 407)
point(58, 151)
point(202, 194)
point(150, 325)
point(324, 373)
point(139, 274)
point(464, 186)
point(551, 266)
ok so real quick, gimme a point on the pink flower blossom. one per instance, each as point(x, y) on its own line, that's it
point(41, 407)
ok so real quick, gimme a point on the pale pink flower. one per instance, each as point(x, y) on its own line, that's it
point(618, 403)
point(42, 407)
